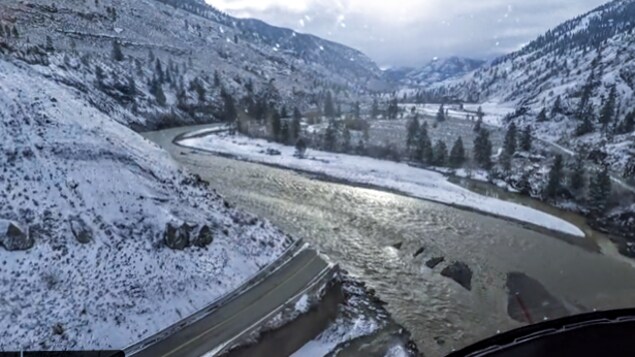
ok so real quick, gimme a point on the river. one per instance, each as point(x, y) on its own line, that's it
point(358, 227)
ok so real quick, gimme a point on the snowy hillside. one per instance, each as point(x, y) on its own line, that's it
point(581, 73)
point(187, 64)
point(433, 72)
point(90, 209)
point(311, 49)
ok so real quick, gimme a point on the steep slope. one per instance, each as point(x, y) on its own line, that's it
point(187, 61)
point(569, 72)
point(94, 203)
point(335, 57)
point(435, 71)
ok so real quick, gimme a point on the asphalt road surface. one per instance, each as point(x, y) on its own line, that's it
point(243, 312)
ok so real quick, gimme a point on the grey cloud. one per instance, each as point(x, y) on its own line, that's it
point(472, 28)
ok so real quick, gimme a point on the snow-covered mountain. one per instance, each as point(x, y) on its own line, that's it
point(95, 210)
point(435, 71)
point(337, 58)
point(184, 59)
point(570, 72)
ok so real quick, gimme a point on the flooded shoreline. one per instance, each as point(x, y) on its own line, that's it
point(375, 235)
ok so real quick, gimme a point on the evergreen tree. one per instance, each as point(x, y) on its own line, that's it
point(555, 178)
point(49, 44)
point(216, 79)
point(505, 160)
point(629, 169)
point(285, 133)
point(576, 177)
point(483, 149)
point(159, 71)
point(526, 139)
point(509, 145)
point(346, 141)
point(283, 112)
point(424, 148)
point(524, 186)
point(2, 31)
point(457, 154)
point(557, 106)
point(479, 125)
point(357, 111)
point(132, 86)
point(441, 113)
point(393, 108)
point(600, 191)
point(480, 114)
point(542, 116)
point(361, 148)
point(608, 109)
point(330, 137)
point(151, 57)
point(99, 76)
point(587, 91)
point(413, 132)
point(199, 89)
point(15, 32)
point(628, 124)
point(276, 126)
point(329, 107)
point(440, 154)
point(296, 123)
point(374, 113)
point(159, 95)
point(117, 54)
point(300, 148)
point(230, 114)
point(586, 126)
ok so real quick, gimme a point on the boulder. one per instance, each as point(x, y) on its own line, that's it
point(432, 263)
point(459, 272)
point(81, 230)
point(177, 237)
point(398, 245)
point(419, 252)
point(203, 236)
point(14, 237)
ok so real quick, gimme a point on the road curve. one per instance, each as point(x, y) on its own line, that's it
point(243, 312)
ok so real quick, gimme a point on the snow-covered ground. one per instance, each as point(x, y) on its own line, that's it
point(60, 157)
point(391, 175)
point(338, 332)
point(493, 112)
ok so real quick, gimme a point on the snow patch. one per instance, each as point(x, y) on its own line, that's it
point(364, 170)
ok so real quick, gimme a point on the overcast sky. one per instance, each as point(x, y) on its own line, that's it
point(412, 32)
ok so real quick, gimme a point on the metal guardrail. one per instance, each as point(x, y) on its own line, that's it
point(295, 248)
point(324, 276)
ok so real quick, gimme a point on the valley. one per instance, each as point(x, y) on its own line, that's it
point(386, 239)
point(180, 181)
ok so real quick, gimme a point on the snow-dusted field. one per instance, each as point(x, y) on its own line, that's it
point(493, 111)
point(60, 157)
point(363, 170)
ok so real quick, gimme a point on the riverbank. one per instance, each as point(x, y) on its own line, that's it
point(397, 177)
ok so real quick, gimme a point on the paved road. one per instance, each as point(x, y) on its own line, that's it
point(243, 312)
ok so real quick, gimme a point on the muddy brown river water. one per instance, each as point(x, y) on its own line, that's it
point(359, 227)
